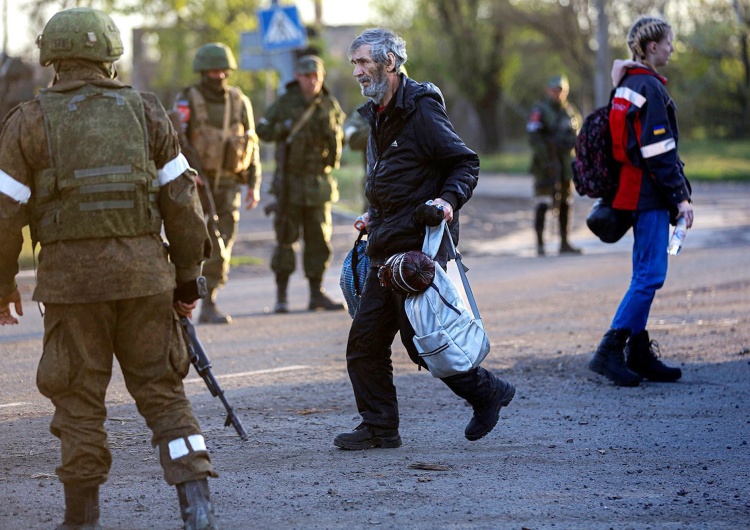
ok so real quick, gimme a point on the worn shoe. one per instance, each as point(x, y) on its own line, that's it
point(281, 307)
point(609, 359)
point(319, 300)
point(367, 436)
point(643, 359)
point(487, 415)
point(210, 314)
point(567, 248)
point(195, 505)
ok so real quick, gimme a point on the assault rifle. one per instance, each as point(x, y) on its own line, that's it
point(279, 185)
point(199, 357)
point(204, 190)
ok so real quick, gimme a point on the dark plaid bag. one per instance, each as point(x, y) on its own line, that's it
point(353, 274)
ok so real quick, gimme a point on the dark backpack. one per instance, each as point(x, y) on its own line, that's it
point(595, 171)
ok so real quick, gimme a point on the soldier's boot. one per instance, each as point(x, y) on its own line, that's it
point(541, 212)
point(643, 359)
point(81, 508)
point(486, 393)
point(210, 314)
point(565, 246)
point(282, 285)
point(318, 298)
point(195, 505)
point(609, 359)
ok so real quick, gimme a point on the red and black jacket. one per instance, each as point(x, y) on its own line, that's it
point(643, 124)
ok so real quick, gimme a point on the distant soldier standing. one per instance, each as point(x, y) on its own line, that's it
point(218, 123)
point(306, 124)
point(553, 127)
point(95, 168)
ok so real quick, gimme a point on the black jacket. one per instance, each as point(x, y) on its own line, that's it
point(413, 155)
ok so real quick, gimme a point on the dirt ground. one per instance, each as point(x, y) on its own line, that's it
point(570, 451)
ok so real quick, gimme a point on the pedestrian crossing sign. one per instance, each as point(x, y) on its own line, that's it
point(281, 28)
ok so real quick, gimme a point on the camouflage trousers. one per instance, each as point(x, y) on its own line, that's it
point(316, 229)
point(145, 335)
point(227, 199)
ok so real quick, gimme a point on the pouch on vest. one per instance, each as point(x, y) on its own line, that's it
point(101, 183)
point(231, 149)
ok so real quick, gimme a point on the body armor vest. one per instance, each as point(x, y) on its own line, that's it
point(102, 183)
point(228, 147)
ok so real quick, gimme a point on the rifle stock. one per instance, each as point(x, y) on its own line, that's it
point(202, 364)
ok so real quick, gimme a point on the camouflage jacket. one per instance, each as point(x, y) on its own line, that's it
point(553, 128)
point(96, 270)
point(314, 151)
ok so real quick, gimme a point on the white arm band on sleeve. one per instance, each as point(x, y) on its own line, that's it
point(14, 189)
point(173, 169)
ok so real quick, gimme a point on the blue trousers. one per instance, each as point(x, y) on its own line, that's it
point(651, 237)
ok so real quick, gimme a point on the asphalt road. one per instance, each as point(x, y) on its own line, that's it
point(571, 451)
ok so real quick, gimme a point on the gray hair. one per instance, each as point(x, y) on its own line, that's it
point(381, 42)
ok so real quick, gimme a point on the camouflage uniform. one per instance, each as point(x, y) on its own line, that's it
point(309, 186)
point(95, 168)
point(202, 108)
point(356, 134)
point(553, 128)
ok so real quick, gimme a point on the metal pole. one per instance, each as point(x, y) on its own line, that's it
point(602, 83)
point(5, 27)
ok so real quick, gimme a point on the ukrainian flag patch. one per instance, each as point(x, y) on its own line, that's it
point(660, 129)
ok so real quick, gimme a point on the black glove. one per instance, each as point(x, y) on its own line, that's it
point(428, 214)
point(189, 292)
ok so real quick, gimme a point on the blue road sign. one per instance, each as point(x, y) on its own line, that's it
point(281, 28)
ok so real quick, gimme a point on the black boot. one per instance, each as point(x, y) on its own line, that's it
point(81, 508)
point(541, 212)
point(565, 247)
point(609, 359)
point(486, 393)
point(195, 505)
point(367, 436)
point(643, 358)
point(318, 298)
point(210, 314)
point(282, 285)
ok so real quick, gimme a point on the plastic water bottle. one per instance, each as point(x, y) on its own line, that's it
point(678, 236)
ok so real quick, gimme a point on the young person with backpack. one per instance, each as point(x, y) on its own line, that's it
point(653, 186)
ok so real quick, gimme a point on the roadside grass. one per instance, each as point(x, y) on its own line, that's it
point(705, 160)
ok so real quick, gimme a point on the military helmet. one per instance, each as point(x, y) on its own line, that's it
point(79, 33)
point(214, 56)
point(559, 81)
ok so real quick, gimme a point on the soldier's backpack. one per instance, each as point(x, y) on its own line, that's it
point(595, 171)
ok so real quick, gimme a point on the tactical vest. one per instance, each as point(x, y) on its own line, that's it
point(227, 147)
point(102, 183)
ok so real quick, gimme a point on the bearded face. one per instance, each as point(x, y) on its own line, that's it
point(374, 82)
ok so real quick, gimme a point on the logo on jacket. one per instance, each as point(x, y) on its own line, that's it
point(660, 129)
point(394, 144)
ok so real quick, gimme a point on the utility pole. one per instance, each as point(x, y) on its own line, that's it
point(319, 13)
point(602, 83)
point(5, 27)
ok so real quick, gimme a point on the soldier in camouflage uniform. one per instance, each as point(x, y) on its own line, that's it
point(95, 168)
point(308, 120)
point(553, 127)
point(218, 123)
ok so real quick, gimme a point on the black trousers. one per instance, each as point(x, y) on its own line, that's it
point(380, 316)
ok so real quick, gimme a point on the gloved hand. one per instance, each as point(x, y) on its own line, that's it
point(191, 291)
point(428, 214)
